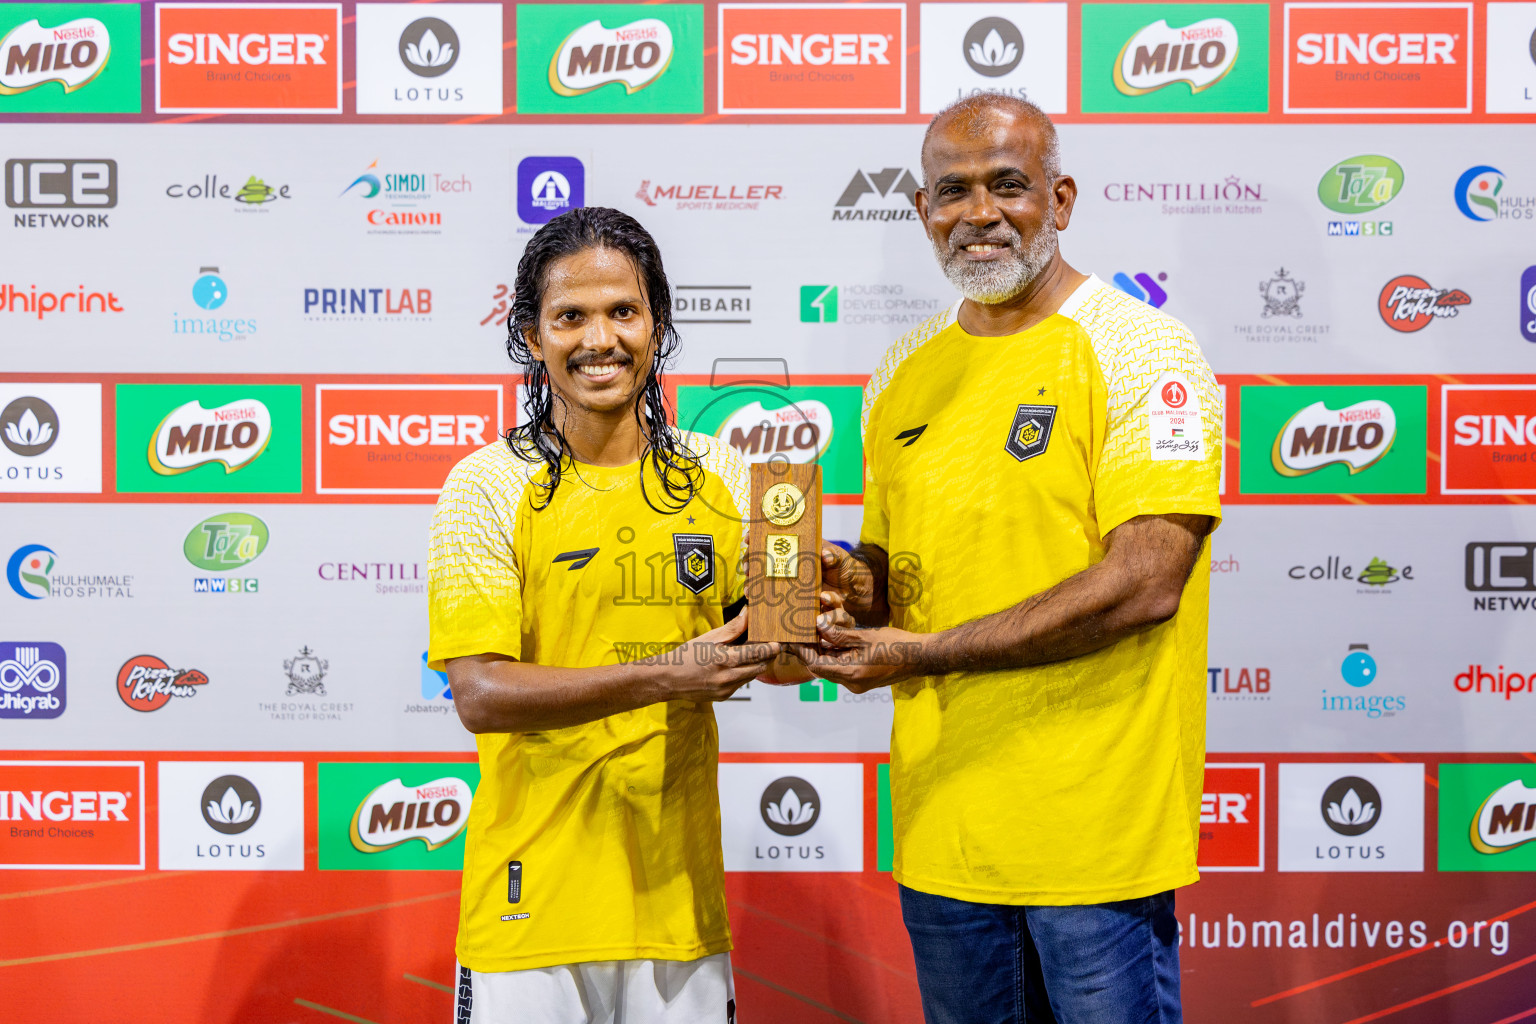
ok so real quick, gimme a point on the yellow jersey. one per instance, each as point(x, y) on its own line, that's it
point(598, 841)
point(994, 469)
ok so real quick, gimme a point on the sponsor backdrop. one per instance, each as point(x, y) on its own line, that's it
point(260, 258)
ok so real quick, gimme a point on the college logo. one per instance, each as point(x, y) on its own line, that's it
point(894, 192)
point(1282, 295)
point(399, 439)
point(226, 541)
point(1232, 818)
point(601, 59)
point(230, 435)
point(448, 62)
point(1334, 439)
point(813, 59)
point(1488, 439)
point(1351, 817)
point(32, 680)
point(1030, 432)
point(1201, 58)
point(248, 59)
point(255, 196)
point(231, 816)
point(145, 683)
point(1350, 58)
point(1012, 49)
point(694, 554)
point(547, 186)
point(1377, 573)
point(72, 814)
point(792, 817)
point(33, 421)
point(1487, 817)
point(306, 674)
point(58, 58)
point(60, 185)
point(1408, 303)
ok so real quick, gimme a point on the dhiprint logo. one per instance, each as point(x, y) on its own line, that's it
point(429, 47)
point(547, 186)
point(230, 805)
point(29, 426)
point(32, 680)
point(1408, 303)
point(1351, 806)
point(69, 58)
point(145, 683)
point(993, 47)
point(790, 806)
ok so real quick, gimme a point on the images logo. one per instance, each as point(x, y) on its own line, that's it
point(1014, 49)
point(61, 184)
point(547, 186)
point(210, 292)
point(32, 680)
point(230, 435)
point(145, 683)
point(72, 814)
point(192, 438)
point(28, 571)
point(1334, 439)
point(1488, 439)
point(57, 58)
point(601, 59)
point(894, 185)
point(813, 59)
point(1349, 58)
point(225, 541)
point(1232, 818)
point(818, 303)
point(399, 439)
point(1407, 303)
point(1487, 817)
point(1359, 670)
point(1185, 61)
point(248, 59)
point(1142, 288)
point(801, 423)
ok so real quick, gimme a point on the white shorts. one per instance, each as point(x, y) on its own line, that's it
point(603, 992)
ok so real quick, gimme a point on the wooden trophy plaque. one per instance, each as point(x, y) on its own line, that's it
point(784, 552)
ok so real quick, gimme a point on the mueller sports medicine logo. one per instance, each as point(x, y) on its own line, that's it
point(58, 185)
point(71, 53)
point(32, 680)
point(402, 439)
point(145, 683)
point(247, 59)
point(1378, 58)
point(231, 435)
point(632, 55)
point(1199, 55)
point(733, 196)
point(1357, 436)
point(1408, 303)
point(813, 59)
point(434, 813)
point(887, 194)
point(1488, 440)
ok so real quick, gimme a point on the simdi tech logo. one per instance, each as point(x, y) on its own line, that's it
point(1378, 58)
point(389, 817)
point(248, 58)
point(1334, 439)
point(610, 59)
point(1175, 58)
point(1487, 817)
point(210, 438)
point(69, 58)
point(813, 58)
point(1488, 439)
point(72, 815)
point(399, 438)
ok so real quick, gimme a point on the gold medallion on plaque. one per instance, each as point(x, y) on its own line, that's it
point(783, 505)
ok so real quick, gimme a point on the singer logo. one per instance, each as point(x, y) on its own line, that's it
point(248, 59)
point(1488, 441)
point(1378, 58)
point(1232, 818)
point(72, 814)
point(399, 439)
point(809, 59)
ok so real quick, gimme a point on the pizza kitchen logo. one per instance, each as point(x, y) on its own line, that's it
point(146, 683)
point(1199, 55)
point(393, 814)
point(1357, 436)
point(1409, 303)
point(231, 435)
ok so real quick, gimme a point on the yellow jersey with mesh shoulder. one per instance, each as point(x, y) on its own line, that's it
point(598, 841)
point(995, 469)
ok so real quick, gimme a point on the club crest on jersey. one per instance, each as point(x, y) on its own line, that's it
point(695, 560)
point(1031, 431)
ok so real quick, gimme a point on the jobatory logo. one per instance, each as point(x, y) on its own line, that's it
point(1481, 196)
point(32, 573)
point(1352, 58)
point(1360, 184)
point(602, 59)
point(1232, 818)
point(69, 58)
point(1502, 574)
point(813, 58)
point(1488, 439)
point(792, 817)
point(434, 684)
point(1487, 817)
point(368, 305)
point(54, 186)
point(50, 438)
point(1334, 439)
point(72, 814)
point(255, 196)
point(446, 60)
point(1409, 303)
point(1351, 817)
point(1012, 49)
point(399, 439)
point(1175, 58)
point(217, 438)
point(547, 186)
point(32, 679)
point(887, 194)
point(377, 817)
point(146, 683)
point(248, 58)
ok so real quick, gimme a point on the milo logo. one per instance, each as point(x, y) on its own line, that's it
point(434, 812)
point(800, 431)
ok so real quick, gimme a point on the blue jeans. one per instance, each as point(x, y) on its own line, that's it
point(1103, 963)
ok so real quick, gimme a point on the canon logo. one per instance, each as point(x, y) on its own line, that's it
point(817, 48)
point(1381, 48)
point(58, 805)
point(437, 429)
point(253, 48)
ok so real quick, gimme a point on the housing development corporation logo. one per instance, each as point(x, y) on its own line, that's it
point(69, 58)
point(1334, 439)
point(1154, 58)
point(1409, 303)
point(59, 185)
point(813, 58)
point(1012, 49)
point(1488, 439)
point(248, 58)
point(32, 679)
point(1350, 58)
point(1487, 817)
point(146, 683)
point(602, 59)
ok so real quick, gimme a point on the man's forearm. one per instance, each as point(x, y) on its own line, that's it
point(497, 694)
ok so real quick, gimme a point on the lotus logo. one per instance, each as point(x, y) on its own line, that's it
point(230, 804)
point(1199, 55)
point(1506, 820)
point(1316, 437)
point(29, 426)
point(395, 813)
point(632, 55)
point(1477, 192)
point(429, 47)
point(71, 54)
point(790, 806)
point(993, 47)
point(1351, 806)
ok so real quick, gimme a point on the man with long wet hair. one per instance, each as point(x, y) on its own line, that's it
point(584, 578)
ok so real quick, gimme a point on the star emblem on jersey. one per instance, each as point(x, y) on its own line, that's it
point(1031, 431)
point(695, 560)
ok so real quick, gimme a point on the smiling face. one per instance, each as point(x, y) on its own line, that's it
point(988, 204)
point(595, 333)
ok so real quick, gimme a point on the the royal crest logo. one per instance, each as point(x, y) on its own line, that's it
point(1282, 295)
point(306, 674)
point(394, 813)
point(632, 55)
point(1358, 436)
point(231, 435)
point(1200, 55)
point(1030, 433)
point(71, 54)
point(695, 556)
point(1408, 303)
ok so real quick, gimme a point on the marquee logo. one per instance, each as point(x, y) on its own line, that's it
point(813, 59)
point(400, 439)
point(894, 192)
point(1407, 303)
point(230, 435)
point(1199, 55)
point(434, 813)
point(1197, 58)
point(601, 58)
point(145, 683)
point(32, 680)
point(59, 58)
point(1358, 436)
point(72, 814)
point(248, 59)
point(1488, 439)
point(1352, 58)
point(633, 55)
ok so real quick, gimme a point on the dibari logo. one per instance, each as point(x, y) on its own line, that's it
point(790, 806)
point(1488, 439)
point(895, 196)
point(1199, 55)
point(58, 58)
point(230, 435)
point(812, 58)
point(248, 59)
point(712, 303)
point(230, 805)
point(1399, 58)
point(226, 541)
point(1407, 303)
point(145, 683)
point(61, 185)
point(1357, 436)
point(434, 813)
point(32, 680)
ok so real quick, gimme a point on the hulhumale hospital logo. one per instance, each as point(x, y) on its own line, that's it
point(1481, 196)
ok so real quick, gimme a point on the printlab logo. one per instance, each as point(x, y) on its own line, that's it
point(993, 47)
point(1351, 806)
point(306, 674)
point(230, 805)
point(66, 65)
point(32, 680)
point(894, 192)
point(790, 806)
point(1242, 683)
point(29, 426)
point(1480, 196)
point(1282, 295)
point(146, 683)
point(1409, 303)
point(53, 185)
point(547, 186)
point(1142, 287)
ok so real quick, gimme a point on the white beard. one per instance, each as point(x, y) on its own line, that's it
point(999, 280)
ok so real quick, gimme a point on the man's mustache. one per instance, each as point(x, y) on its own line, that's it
point(591, 359)
point(958, 239)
